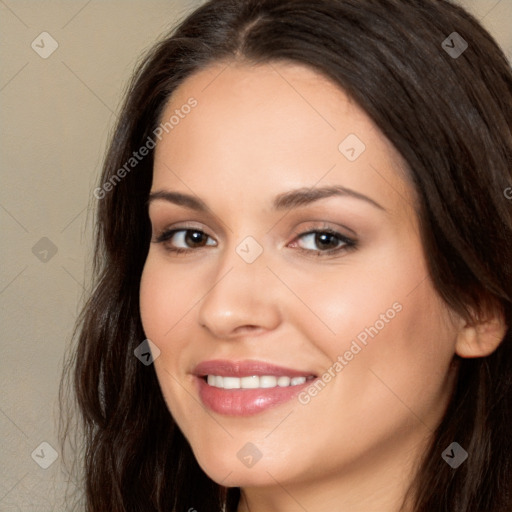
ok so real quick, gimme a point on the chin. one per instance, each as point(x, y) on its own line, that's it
point(226, 469)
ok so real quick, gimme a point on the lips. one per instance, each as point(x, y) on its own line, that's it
point(227, 368)
point(219, 390)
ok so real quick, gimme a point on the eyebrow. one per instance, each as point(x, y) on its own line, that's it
point(285, 201)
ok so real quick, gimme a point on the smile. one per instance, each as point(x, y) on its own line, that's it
point(243, 388)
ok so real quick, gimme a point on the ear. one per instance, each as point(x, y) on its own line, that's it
point(481, 337)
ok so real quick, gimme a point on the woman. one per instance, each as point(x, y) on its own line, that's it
point(303, 273)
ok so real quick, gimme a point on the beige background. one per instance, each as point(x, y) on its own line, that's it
point(56, 116)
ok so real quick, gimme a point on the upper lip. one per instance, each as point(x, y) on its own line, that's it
point(227, 368)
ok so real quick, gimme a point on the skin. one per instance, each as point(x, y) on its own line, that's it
point(259, 131)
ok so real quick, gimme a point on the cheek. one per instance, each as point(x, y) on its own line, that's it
point(353, 301)
point(396, 361)
point(393, 380)
point(165, 298)
point(416, 351)
point(391, 330)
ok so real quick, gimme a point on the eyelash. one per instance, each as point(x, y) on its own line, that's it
point(348, 243)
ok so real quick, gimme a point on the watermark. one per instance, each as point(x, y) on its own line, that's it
point(249, 455)
point(44, 455)
point(147, 352)
point(454, 455)
point(44, 45)
point(508, 193)
point(352, 147)
point(249, 249)
point(454, 45)
point(44, 250)
point(313, 389)
point(139, 155)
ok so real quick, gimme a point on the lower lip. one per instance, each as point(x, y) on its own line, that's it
point(245, 402)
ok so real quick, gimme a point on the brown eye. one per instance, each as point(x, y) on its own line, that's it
point(194, 238)
point(324, 242)
point(180, 240)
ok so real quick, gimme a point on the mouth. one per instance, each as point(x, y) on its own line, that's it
point(242, 388)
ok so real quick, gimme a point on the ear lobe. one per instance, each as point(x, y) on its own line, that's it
point(480, 338)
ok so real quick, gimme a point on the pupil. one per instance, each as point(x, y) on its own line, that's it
point(194, 237)
point(321, 239)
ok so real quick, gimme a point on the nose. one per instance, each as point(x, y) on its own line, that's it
point(242, 299)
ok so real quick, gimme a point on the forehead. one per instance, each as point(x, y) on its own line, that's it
point(259, 101)
point(277, 125)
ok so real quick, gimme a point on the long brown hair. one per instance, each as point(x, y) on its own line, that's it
point(450, 117)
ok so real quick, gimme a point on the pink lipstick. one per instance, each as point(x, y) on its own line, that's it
point(243, 388)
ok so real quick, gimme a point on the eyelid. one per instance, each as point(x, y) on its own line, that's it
point(325, 226)
point(180, 226)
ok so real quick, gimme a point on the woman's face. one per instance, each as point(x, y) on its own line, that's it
point(281, 271)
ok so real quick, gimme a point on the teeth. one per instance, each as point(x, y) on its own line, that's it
point(254, 381)
point(230, 382)
point(249, 382)
point(283, 381)
point(268, 381)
